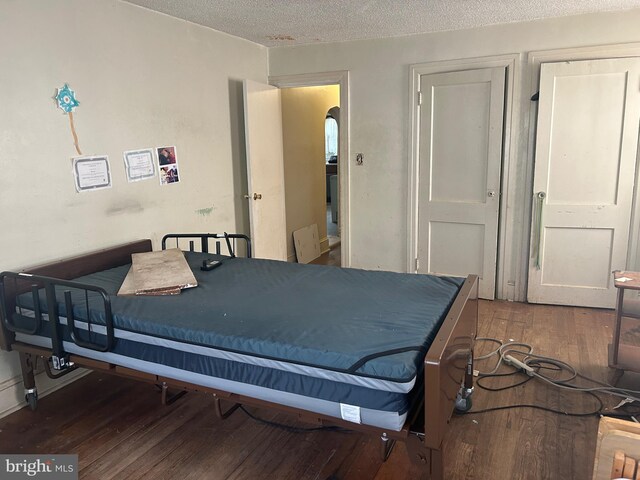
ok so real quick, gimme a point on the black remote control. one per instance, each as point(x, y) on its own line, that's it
point(210, 264)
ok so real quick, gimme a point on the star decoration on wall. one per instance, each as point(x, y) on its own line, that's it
point(66, 99)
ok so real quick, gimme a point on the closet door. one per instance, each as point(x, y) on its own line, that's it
point(460, 157)
point(586, 147)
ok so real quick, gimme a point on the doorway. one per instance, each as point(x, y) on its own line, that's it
point(339, 81)
point(264, 132)
point(310, 172)
point(331, 135)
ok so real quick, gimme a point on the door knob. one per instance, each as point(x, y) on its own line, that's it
point(256, 196)
point(491, 193)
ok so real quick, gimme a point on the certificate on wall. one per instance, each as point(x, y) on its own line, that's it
point(92, 173)
point(139, 164)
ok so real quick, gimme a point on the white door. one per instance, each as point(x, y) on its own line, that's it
point(460, 155)
point(265, 170)
point(587, 141)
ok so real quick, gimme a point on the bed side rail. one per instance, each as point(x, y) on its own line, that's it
point(447, 361)
point(204, 245)
point(13, 311)
point(69, 268)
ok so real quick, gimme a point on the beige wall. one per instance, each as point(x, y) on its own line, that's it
point(380, 121)
point(303, 114)
point(143, 80)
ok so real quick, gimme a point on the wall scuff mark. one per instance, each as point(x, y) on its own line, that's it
point(125, 206)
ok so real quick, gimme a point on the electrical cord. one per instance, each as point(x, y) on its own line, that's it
point(541, 407)
point(499, 351)
point(291, 429)
point(534, 366)
point(531, 359)
point(479, 381)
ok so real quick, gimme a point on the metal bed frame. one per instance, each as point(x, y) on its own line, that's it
point(448, 364)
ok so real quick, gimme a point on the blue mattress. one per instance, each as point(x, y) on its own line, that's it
point(341, 336)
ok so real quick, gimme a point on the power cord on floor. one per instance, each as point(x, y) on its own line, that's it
point(546, 409)
point(291, 429)
point(533, 365)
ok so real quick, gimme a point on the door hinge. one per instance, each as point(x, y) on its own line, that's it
point(417, 264)
point(419, 98)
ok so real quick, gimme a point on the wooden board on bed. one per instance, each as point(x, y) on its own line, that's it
point(128, 287)
point(165, 272)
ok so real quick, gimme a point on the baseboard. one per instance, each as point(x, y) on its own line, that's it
point(12, 391)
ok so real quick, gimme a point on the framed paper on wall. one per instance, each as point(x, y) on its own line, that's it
point(139, 164)
point(92, 173)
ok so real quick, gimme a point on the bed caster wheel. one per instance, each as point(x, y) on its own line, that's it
point(463, 400)
point(463, 405)
point(32, 399)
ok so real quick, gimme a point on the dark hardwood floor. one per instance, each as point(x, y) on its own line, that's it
point(332, 257)
point(120, 430)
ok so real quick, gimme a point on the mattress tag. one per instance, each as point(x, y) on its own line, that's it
point(350, 413)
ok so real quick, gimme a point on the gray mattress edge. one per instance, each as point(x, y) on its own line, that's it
point(377, 418)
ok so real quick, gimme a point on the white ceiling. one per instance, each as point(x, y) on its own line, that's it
point(294, 22)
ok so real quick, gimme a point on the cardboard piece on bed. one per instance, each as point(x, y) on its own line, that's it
point(307, 243)
point(129, 288)
point(158, 273)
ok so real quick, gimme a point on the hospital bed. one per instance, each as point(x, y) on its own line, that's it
point(378, 352)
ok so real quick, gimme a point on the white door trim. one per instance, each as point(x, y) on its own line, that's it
point(340, 78)
point(506, 230)
point(534, 60)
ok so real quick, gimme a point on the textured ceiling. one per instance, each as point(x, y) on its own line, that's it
point(294, 22)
